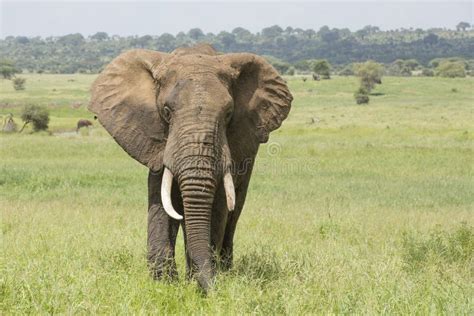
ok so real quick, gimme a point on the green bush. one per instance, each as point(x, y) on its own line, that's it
point(434, 63)
point(347, 70)
point(427, 72)
point(280, 65)
point(19, 83)
point(37, 115)
point(323, 68)
point(361, 96)
point(370, 74)
point(303, 65)
point(290, 71)
point(8, 69)
point(401, 67)
point(451, 69)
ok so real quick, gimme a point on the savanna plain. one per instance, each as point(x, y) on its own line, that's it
point(351, 209)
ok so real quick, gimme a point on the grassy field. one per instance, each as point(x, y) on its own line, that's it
point(351, 209)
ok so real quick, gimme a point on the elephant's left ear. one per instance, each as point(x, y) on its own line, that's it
point(260, 94)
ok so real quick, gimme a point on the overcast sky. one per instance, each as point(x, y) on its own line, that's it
point(45, 18)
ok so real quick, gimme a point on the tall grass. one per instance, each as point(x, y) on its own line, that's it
point(351, 209)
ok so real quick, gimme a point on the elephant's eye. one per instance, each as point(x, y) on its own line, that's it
point(167, 113)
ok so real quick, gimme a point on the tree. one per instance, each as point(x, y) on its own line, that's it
point(451, 69)
point(303, 65)
point(347, 71)
point(328, 35)
point(242, 35)
point(37, 115)
point(463, 26)
point(281, 66)
point(72, 53)
point(401, 67)
point(22, 40)
point(291, 71)
point(19, 83)
point(431, 39)
point(71, 39)
point(7, 69)
point(166, 42)
point(196, 34)
point(370, 73)
point(100, 36)
point(427, 72)
point(370, 29)
point(309, 33)
point(434, 63)
point(272, 31)
point(361, 96)
point(227, 39)
point(323, 68)
point(142, 41)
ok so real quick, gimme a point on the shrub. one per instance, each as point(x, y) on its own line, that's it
point(451, 69)
point(291, 71)
point(434, 63)
point(37, 115)
point(347, 71)
point(323, 68)
point(401, 67)
point(370, 73)
point(19, 83)
point(361, 96)
point(427, 72)
point(303, 65)
point(7, 69)
point(280, 65)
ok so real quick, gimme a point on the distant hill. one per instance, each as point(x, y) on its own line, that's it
point(76, 53)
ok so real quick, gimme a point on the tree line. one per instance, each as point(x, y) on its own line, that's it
point(291, 47)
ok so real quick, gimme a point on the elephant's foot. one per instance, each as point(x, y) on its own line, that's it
point(162, 233)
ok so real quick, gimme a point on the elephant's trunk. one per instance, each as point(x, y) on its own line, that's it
point(198, 157)
point(198, 187)
point(194, 157)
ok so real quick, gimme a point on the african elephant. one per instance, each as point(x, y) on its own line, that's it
point(195, 119)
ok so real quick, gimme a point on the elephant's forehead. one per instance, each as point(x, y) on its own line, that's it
point(190, 63)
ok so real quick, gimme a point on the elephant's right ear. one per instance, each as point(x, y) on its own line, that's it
point(123, 97)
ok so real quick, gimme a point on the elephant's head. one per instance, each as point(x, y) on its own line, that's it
point(189, 113)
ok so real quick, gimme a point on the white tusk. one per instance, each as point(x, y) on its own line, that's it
point(166, 183)
point(229, 191)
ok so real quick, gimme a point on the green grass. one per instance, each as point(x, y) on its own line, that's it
point(367, 210)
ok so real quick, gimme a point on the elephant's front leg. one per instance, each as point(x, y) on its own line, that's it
point(227, 250)
point(162, 232)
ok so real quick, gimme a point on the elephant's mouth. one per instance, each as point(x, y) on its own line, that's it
point(166, 193)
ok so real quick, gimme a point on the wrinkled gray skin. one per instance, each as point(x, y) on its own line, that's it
point(198, 114)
